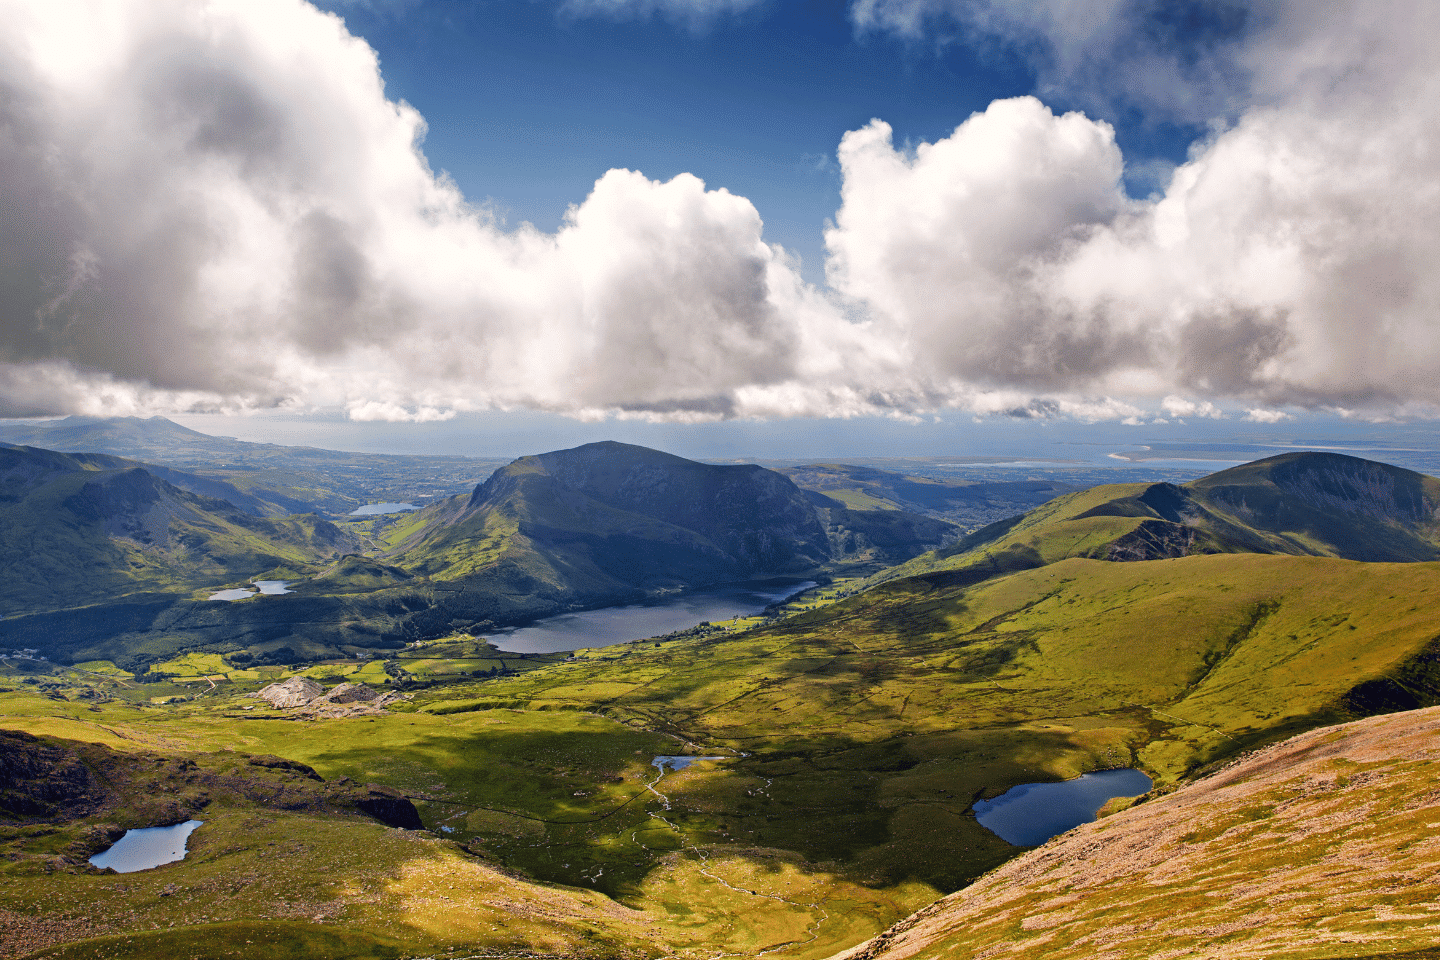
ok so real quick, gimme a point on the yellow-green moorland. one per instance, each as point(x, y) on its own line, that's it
point(851, 741)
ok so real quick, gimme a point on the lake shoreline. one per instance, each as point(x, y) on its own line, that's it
point(654, 616)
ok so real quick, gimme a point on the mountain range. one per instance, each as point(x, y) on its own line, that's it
point(84, 529)
point(262, 478)
point(1295, 504)
point(1185, 629)
point(599, 525)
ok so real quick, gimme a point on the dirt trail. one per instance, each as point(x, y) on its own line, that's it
point(817, 910)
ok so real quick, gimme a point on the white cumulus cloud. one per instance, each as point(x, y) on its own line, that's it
point(947, 243)
point(215, 202)
point(213, 205)
point(1287, 262)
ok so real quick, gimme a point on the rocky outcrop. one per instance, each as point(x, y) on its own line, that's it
point(38, 779)
point(390, 807)
point(350, 693)
point(291, 693)
point(350, 700)
point(308, 699)
point(1156, 540)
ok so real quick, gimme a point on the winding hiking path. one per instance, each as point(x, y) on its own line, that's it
point(817, 910)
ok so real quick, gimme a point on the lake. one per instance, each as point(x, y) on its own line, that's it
point(269, 587)
point(147, 848)
point(611, 625)
point(1032, 813)
point(376, 509)
point(673, 763)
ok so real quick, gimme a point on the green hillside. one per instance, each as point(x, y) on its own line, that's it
point(627, 515)
point(885, 716)
point(83, 530)
point(855, 739)
point(1318, 847)
point(1301, 504)
point(610, 523)
point(852, 739)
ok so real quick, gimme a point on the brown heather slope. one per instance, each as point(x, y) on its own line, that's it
point(1325, 845)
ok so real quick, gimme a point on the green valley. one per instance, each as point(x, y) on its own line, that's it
point(836, 746)
point(113, 562)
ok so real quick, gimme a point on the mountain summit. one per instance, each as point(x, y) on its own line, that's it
point(614, 521)
point(1297, 504)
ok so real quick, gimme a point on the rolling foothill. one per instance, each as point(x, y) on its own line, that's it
point(843, 672)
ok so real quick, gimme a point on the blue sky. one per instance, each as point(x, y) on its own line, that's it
point(869, 221)
point(527, 105)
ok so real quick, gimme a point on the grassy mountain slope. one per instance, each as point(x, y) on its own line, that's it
point(857, 737)
point(611, 522)
point(1321, 846)
point(190, 482)
point(286, 864)
point(272, 867)
point(882, 718)
point(1301, 504)
point(78, 530)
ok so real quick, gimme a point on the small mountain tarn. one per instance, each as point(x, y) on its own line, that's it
point(860, 732)
point(1313, 847)
point(1031, 813)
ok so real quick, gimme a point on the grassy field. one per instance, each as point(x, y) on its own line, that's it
point(568, 796)
point(1190, 656)
point(853, 738)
